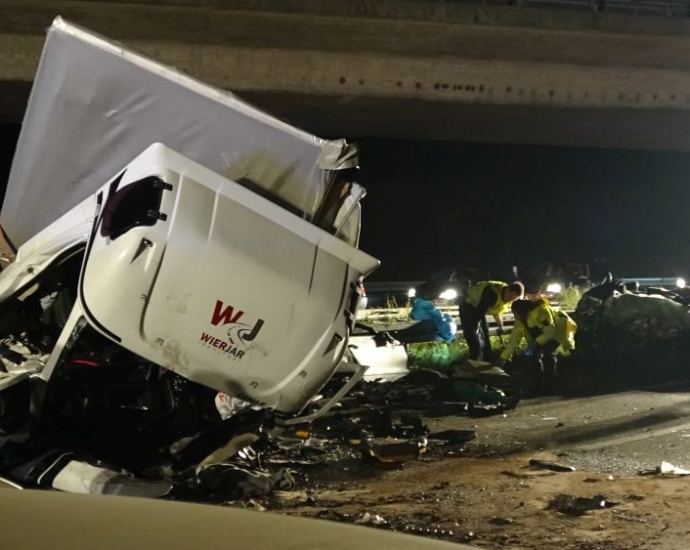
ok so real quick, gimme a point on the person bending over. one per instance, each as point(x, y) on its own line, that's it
point(547, 328)
point(482, 299)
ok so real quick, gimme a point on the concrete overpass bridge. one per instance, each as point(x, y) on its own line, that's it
point(405, 68)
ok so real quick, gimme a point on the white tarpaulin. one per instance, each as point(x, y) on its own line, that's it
point(95, 106)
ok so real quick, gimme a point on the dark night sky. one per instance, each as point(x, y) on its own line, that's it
point(8, 139)
point(435, 205)
point(432, 205)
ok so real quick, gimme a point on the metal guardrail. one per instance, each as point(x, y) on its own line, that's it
point(665, 8)
point(643, 282)
point(397, 318)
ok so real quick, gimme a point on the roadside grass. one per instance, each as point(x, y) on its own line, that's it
point(392, 303)
point(441, 355)
point(436, 355)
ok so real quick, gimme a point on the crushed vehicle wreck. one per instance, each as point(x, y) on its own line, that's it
point(628, 334)
point(613, 308)
point(221, 260)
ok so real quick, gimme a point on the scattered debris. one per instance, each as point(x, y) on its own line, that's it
point(66, 472)
point(578, 506)
point(436, 393)
point(451, 437)
point(321, 496)
point(666, 468)
point(233, 481)
point(395, 450)
point(371, 519)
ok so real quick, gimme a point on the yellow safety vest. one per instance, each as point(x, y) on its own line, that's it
point(543, 324)
point(474, 296)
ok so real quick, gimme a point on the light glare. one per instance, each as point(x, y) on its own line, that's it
point(449, 294)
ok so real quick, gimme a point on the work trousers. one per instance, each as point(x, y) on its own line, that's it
point(545, 356)
point(475, 329)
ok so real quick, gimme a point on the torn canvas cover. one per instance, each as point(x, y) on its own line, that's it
point(95, 105)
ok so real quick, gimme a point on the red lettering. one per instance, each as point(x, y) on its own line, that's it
point(206, 337)
point(226, 315)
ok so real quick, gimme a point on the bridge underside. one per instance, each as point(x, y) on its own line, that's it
point(329, 116)
point(420, 70)
point(662, 129)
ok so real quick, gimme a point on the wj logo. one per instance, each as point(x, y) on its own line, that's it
point(239, 333)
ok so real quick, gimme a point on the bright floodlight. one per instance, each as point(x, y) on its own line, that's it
point(680, 282)
point(554, 288)
point(411, 293)
point(449, 294)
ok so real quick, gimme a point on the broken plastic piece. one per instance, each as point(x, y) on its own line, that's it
point(63, 471)
point(371, 519)
point(230, 449)
point(453, 437)
point(240, 481)
point(395, 450)
point(668, 468)
point(228, 406)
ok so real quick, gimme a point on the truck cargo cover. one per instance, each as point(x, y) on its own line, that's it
point(95, 106)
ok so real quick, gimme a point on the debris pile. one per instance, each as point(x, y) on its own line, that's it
point(217, 448)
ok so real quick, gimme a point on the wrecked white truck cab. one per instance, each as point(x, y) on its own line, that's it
point(208, 279)
point(218, 255)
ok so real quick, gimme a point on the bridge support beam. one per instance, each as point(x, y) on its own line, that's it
point(352, 75)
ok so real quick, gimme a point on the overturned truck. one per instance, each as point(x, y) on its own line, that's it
point(168, 242)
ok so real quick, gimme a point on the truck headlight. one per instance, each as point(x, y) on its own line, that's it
point(554, 288)
point(680, 282)
point(449, 294)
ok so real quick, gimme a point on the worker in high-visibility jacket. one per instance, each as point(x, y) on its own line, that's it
point(549, 329)
point(478, 301)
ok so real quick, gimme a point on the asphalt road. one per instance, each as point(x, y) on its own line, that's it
point(606, 430)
